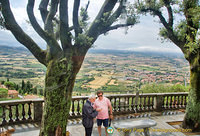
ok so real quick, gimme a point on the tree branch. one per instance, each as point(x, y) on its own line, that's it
point(75, 17)
point(50, 16)
point(87, 5)
point(65, 35)
point(170, 31)
point(44, 12)
point(115, 15)
point(34, 22)
point(167, 25)
point(57, 34)
point(157, 13)
point(170, 13)
point(86, 8)
point(48, 38)
point(115, 27)
point(97, 25)
point(20, 35)
point(43, 9)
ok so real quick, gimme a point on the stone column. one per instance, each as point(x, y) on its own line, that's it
point(158, 102)
point(38, 110)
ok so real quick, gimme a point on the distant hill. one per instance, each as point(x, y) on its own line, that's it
point(6, 50)
point(128, 52)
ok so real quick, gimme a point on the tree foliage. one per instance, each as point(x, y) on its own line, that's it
point(3, 93)
point(163, 88)
point(180, 20)
point(185, 34)
point(10, 85)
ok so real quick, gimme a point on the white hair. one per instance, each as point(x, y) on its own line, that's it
point(92, 97)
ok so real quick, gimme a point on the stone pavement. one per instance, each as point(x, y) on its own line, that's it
point(78, 130)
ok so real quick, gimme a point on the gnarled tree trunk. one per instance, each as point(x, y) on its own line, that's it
point(59, 82)
point(192, 117)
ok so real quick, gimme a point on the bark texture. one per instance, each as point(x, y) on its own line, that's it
point(59, 83)
point(192, 117)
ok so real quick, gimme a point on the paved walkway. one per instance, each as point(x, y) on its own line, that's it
point(161, 129)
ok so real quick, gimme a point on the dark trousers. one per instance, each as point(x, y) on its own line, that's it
point(88, 131)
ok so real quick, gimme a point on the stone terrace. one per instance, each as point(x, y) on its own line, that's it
point(161, 129)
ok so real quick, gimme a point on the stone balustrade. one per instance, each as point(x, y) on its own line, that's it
point(23, 111)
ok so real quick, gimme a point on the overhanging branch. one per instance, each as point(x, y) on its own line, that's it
point(170, 13)
point(43, 9)
point(115, 27)
point(50, 16)
point(48, 38)
point(168, 26)
point(115, 15)
point(103, 15)
point(75, 17)
point(19, 34)
point(65, 35)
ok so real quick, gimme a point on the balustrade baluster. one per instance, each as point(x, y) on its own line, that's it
point(17, 113)
point(175, 101)
point(29, 111)
point(23, 112)
point(178, 101)
point(73, 108)
point(119, 105)
point(4, 115)
point(185, 101)
point(144, 105)
point(140, 105)
point(132, 105)
point(181, 101)
point(10, 113)
point(128, 106)
point(171, 102)
point(169, 99)
point(149, 103)
point(114, 106)
point(136, 104)
point(78, 108)
point(152, 102)
point(163, 102)
point(124, 103)
point(83, 101)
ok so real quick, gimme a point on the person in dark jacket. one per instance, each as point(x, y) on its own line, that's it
point(88, 114)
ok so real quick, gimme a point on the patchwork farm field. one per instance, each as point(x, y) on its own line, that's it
point(102, 69)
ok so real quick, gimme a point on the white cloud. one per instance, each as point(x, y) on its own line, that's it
point(155, 49)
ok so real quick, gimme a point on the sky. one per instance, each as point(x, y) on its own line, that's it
point(141, 37)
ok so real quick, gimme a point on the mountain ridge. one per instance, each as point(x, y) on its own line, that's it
point(18, 49)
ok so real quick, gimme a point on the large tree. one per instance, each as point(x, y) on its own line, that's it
point(183, 32)
point(66, 48)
